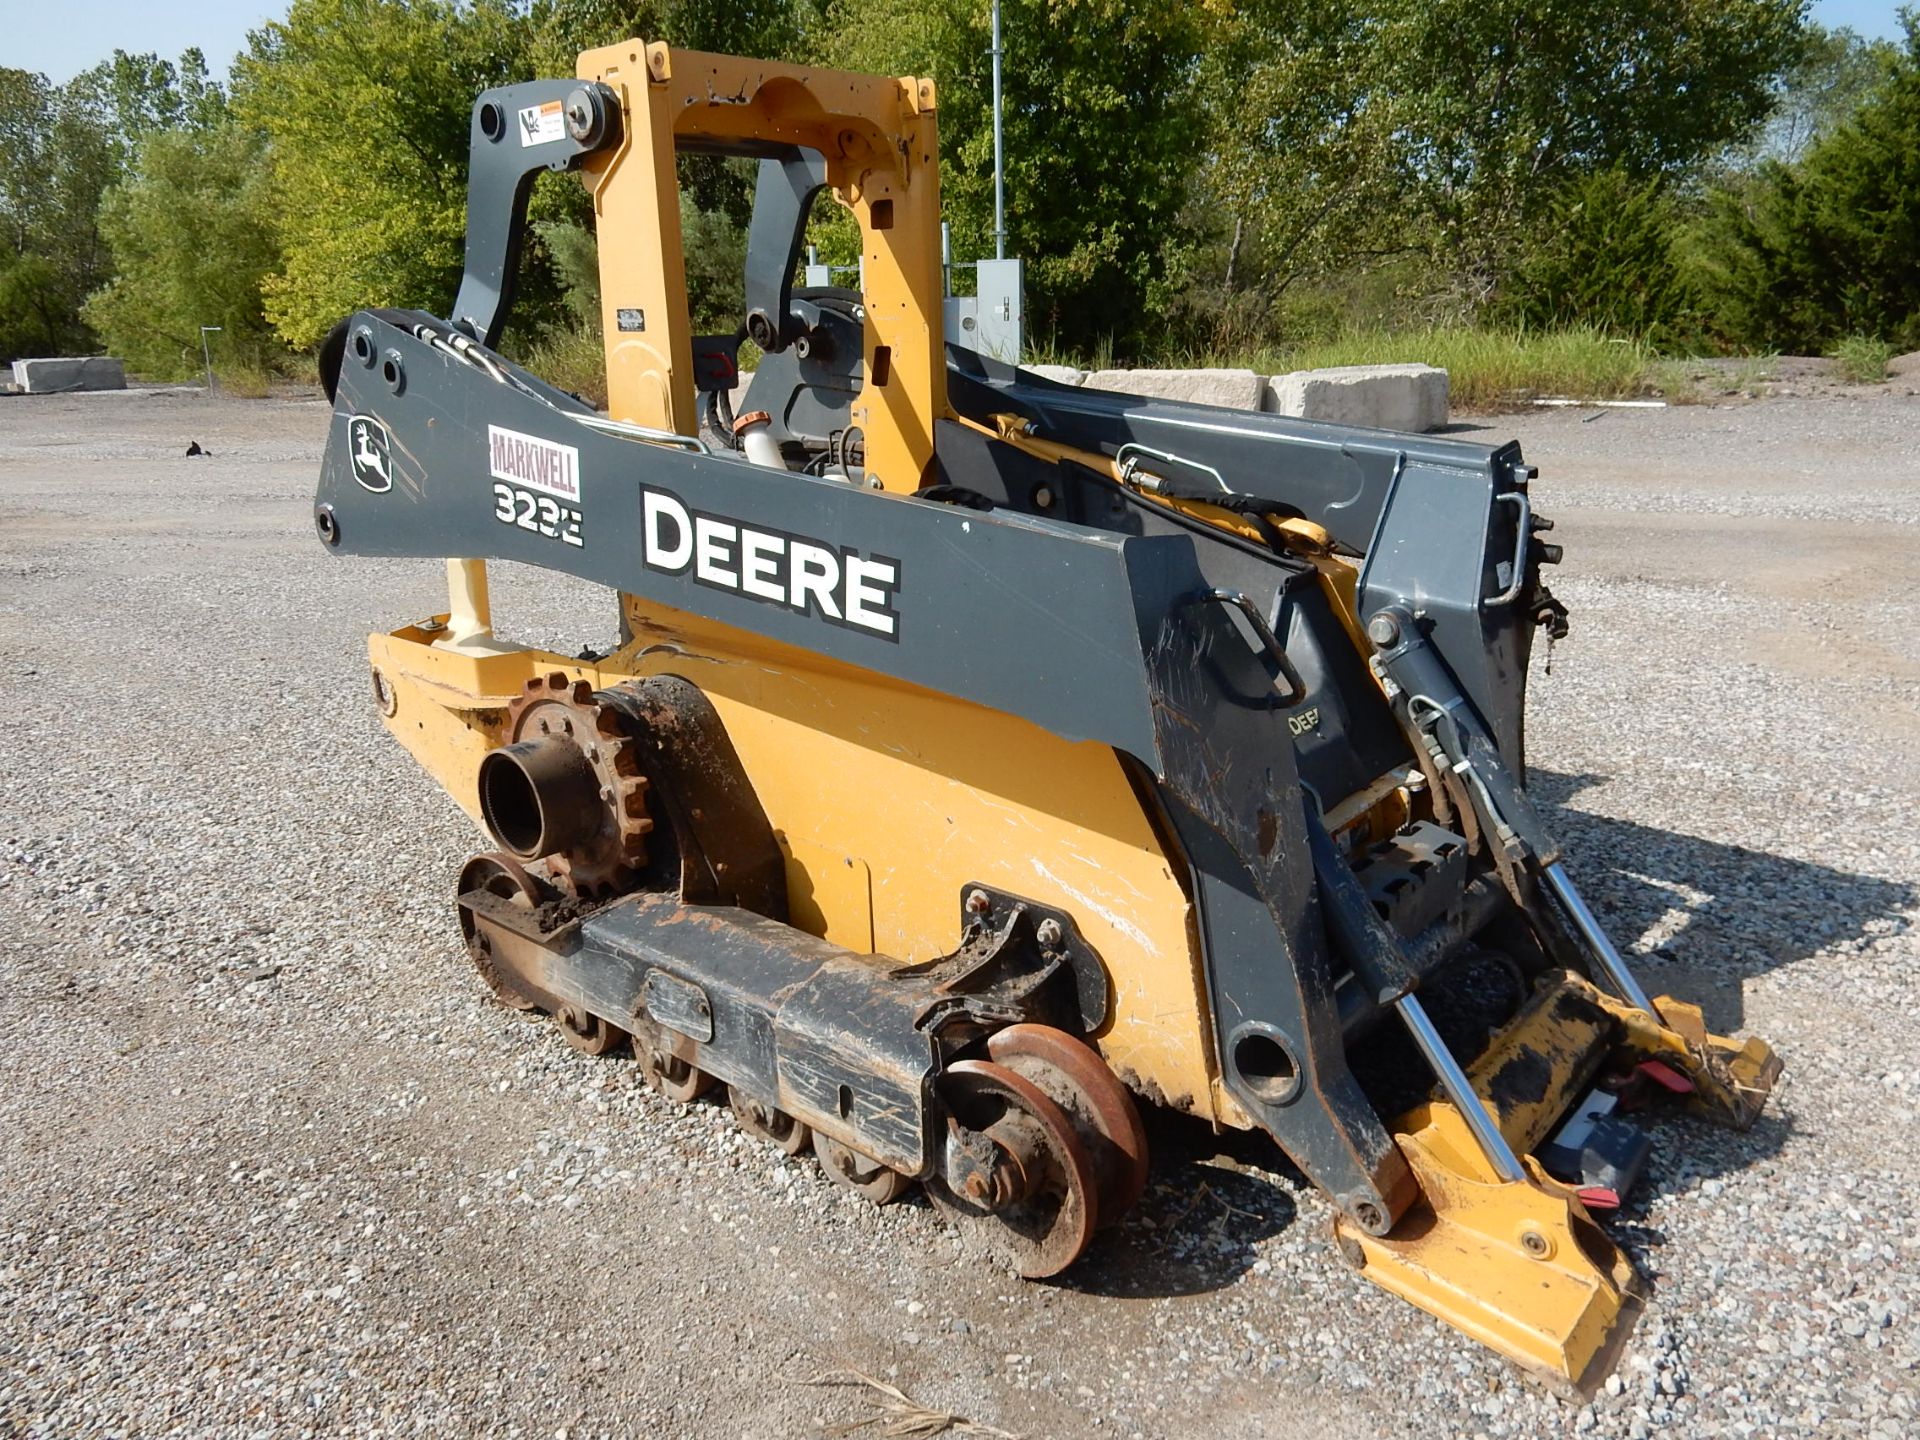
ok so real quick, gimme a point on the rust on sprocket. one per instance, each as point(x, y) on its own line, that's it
point(552, 707)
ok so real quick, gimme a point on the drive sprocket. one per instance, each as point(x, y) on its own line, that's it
point(600, 856)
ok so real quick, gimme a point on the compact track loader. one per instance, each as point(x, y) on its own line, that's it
point(984, 755)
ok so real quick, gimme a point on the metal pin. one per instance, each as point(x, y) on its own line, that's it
point(1460, 1090)
point(1597, 941)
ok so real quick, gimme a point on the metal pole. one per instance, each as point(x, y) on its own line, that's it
point(999, 168)
point(206, 354)
point(1460, 1090)
point(1597, 941)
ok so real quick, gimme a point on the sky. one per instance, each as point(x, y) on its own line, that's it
point(64, 37)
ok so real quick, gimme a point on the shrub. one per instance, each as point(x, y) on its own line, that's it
point(1604, 257)
point(1799, 257)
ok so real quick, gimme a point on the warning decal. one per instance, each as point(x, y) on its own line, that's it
point(542, 123)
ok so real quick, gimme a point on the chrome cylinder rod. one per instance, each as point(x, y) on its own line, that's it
point(1460, 1090)
point(1597, 941)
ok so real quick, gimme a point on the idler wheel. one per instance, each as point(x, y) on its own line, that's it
point(1069, 1073)
point(506, 877)
point(1015, 1177)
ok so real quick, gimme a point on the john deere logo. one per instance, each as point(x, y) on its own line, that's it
point(371, 451)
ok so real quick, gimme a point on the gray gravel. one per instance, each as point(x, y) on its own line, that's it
point(272, 1165)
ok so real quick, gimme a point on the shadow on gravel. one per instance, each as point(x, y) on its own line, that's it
point(1195, 1229)
point(1213, 1197)
point(1712, 914)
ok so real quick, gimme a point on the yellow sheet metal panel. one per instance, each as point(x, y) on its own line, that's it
point(889, 800)
point(643, 278)
point(1544, 1061)
point(446, 708)
point(829, 893)
point(933, 795)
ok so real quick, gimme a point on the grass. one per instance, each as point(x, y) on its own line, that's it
point(1489, 369)
point(243, 382)
point(1862, 360)
point(1697, 382)
point(1678, 382)
point(1753, 372)
point(575, 360)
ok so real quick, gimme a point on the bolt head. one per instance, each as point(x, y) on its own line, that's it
point(583, 122)
point(1050, 933)
point(978, 903)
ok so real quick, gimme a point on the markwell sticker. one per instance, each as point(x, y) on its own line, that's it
point(535, 463)
point(542, 123)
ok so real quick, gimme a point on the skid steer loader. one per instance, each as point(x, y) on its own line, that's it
point(982, 755)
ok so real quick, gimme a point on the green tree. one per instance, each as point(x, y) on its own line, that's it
point(366, 105)
point(1799, 256)
point(61, 149)
point(1103, 130)
point(1347, 135)
point(192, 241)
point(766, 29)
point(1300, 177)
point(1837, 72)
point(26, 117)
point(36, 315)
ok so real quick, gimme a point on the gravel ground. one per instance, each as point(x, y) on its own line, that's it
point(272, 1165)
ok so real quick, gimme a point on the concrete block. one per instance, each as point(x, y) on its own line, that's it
point(1064, 374)
point(1234, 389)
point(76, 372)
point(1383, 397)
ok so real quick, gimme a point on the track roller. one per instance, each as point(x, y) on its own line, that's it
point(764, 1122)
point(666, 1072)
point(588, 1034)
point(859, 1173)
